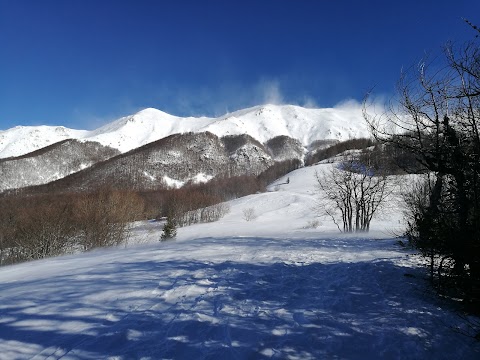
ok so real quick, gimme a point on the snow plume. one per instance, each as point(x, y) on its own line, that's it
point(348, 104)
point(270, 93)
point(197, 101)
point(229, 96)
point(309, 103)
point(237, 96)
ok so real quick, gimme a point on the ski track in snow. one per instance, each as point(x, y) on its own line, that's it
point(266, 289)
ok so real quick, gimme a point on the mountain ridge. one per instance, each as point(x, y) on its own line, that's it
point(262, 123)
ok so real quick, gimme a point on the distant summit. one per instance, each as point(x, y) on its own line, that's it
point(262, 123)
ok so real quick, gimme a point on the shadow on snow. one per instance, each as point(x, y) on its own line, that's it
point(228, 310)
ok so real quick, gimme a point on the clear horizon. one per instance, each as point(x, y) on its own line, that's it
point(83, 64)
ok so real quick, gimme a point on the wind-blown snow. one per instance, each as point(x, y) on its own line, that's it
point(267, 288)
point(260, 122)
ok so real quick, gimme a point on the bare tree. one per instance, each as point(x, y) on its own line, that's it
point(436, 118)
point(249, 214)
point(104, 218)
point(37, 231)
point(351, 193)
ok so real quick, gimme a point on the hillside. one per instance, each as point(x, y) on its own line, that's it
point(175, 160)
point(51, 163)
point(272, 287)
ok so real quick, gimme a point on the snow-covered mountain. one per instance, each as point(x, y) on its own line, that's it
point(246, 142)
point(22, 140)
point(260, 122)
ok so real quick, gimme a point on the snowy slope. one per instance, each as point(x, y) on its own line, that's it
point(144, 127)
point(305, 125)
point(263, 289)
point(260, 122)
point(22, 140)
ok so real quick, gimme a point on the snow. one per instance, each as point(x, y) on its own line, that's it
point(172, 183)
point(21, 140)
point(177, 184)
point(201, 178)
point(261, 122)
point(234, 289)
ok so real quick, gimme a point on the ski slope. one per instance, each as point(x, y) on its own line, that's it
point(269, 288)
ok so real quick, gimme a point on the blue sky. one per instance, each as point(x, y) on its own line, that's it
point(81, 63)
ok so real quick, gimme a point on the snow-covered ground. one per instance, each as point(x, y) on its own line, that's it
point(273, 287)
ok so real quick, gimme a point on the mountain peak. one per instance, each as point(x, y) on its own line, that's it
point(262, 122)
point(152, 112)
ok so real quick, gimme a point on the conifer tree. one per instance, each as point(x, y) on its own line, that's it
point(169, 229)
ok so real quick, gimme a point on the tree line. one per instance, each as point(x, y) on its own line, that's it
point(336, 149)
point(50, 224)
point(41, 226)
